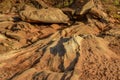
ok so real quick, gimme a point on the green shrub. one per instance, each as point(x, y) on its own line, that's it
point(116, 2)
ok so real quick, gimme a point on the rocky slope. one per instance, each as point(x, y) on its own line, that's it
point(84, 47)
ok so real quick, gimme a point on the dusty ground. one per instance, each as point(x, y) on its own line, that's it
point(85, 50)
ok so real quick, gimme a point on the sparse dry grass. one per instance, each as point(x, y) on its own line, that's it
point(112, 7)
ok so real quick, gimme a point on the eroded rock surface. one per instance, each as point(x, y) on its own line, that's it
point(72, 58)
point(87, 49)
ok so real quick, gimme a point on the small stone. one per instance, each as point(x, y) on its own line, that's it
point(118, 13)
point(56, 26)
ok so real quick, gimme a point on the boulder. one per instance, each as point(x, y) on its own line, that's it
point(44, 15)
point(87, 7)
